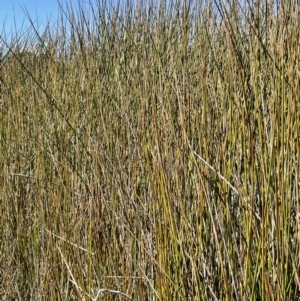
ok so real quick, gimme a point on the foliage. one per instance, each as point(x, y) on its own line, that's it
point(150, 152)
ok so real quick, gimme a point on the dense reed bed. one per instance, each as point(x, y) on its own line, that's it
point(150, 152)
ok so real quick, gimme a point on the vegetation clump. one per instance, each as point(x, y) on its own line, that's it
point(150, 152)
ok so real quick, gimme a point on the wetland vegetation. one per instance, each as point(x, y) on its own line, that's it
point(151, 152)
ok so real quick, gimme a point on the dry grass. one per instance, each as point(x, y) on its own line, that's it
point(151, 153)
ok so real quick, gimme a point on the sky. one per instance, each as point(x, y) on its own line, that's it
point(13, 13)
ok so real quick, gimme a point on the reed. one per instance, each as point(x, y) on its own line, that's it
point(150, 152)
